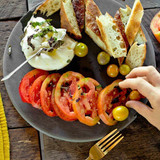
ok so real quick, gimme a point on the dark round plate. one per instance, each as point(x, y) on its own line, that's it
point(88, 66)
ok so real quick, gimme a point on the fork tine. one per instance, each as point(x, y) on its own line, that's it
point(110, 142)
point(113, 145)
point(108, 135)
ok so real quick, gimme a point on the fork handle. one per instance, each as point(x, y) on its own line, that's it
point(88, 158)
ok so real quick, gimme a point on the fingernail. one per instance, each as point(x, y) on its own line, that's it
point(128, 105)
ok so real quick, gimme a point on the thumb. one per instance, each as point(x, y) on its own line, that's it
point(141, 108)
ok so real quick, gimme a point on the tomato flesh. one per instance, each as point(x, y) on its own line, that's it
point(34, 91)
point(85, 101)
point(27, 81)
point(155, 26)
point(46, 96)
point(109, 98)
point(65, 89)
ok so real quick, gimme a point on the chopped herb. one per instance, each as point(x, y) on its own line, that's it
point(99, 86)
point(48, 20)
point(78, 99)
point(79, 87)
point(82, 93)
point(44, 31)
point(9, 50)
point(34, 24)
point(29, 42)
point(68, 61)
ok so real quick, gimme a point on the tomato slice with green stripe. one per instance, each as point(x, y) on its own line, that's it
point(27, 81)
point(34, 92)
point(65, 90)
point(109, 98)
point(85, 101)
point(46, 94)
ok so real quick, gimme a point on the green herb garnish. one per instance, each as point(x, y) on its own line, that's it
point(99, 86)
point(34, 24)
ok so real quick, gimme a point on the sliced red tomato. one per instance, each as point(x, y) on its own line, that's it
point(85, 101)
point(65, 90)
point(155, 26)
point(34, 92)
point(46, 94)
point(27, 81)
point(109, 98)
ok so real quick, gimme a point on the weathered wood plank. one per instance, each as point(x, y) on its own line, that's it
point(142, 141)
point(12, 8)
point(13, 118)
point(146, 3)
point(24, 144)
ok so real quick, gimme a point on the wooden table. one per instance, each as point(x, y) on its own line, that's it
point(141, 142)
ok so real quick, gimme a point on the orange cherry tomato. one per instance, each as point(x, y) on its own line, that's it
point(112, 70)
point(135, 95)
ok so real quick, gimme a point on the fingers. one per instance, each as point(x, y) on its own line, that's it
point(149, 72)
point(141, 108)
point(145, 88)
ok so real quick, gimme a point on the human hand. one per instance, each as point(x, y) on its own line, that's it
point(147, 81)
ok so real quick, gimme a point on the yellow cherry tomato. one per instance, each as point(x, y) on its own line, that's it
point(112, 70)
point(124, 69)
point(81, 49)
point(120, 113)
point(134, 95)
point(103, 58)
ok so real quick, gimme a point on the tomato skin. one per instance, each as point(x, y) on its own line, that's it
point(155, 26)
point(85, 101)
point(103, 58)
point(27, 81)
point(63, 96)
point(46, 94)
point(81, 49)
point(105, 117)
point(34, 92)
point(120, 113)
point(135, 95)
point(112, 70)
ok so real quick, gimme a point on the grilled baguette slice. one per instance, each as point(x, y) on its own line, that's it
point(125, 14)
point(48, 7)
point(136, 55)
point(111, 36)
point(91, 28)
point(68, 19)
point(79, 9)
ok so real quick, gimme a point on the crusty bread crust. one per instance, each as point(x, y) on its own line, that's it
point(125, 13)
point(134, 21)
point(48, 7)
point(91, 28)
point(66, 21)
point(136, 55)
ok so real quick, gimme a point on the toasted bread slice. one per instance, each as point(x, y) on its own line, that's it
point(136, 55)
point(68, 19)
point(111, 36)
point(125, 14)
point(79, 9)
point(134, 21)
point(48, 7)
point(91, 28)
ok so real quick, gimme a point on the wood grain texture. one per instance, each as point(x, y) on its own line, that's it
point(12, 8)
point(146, 3)
point(24, 144)
point(13, 118)
point(141, 142)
